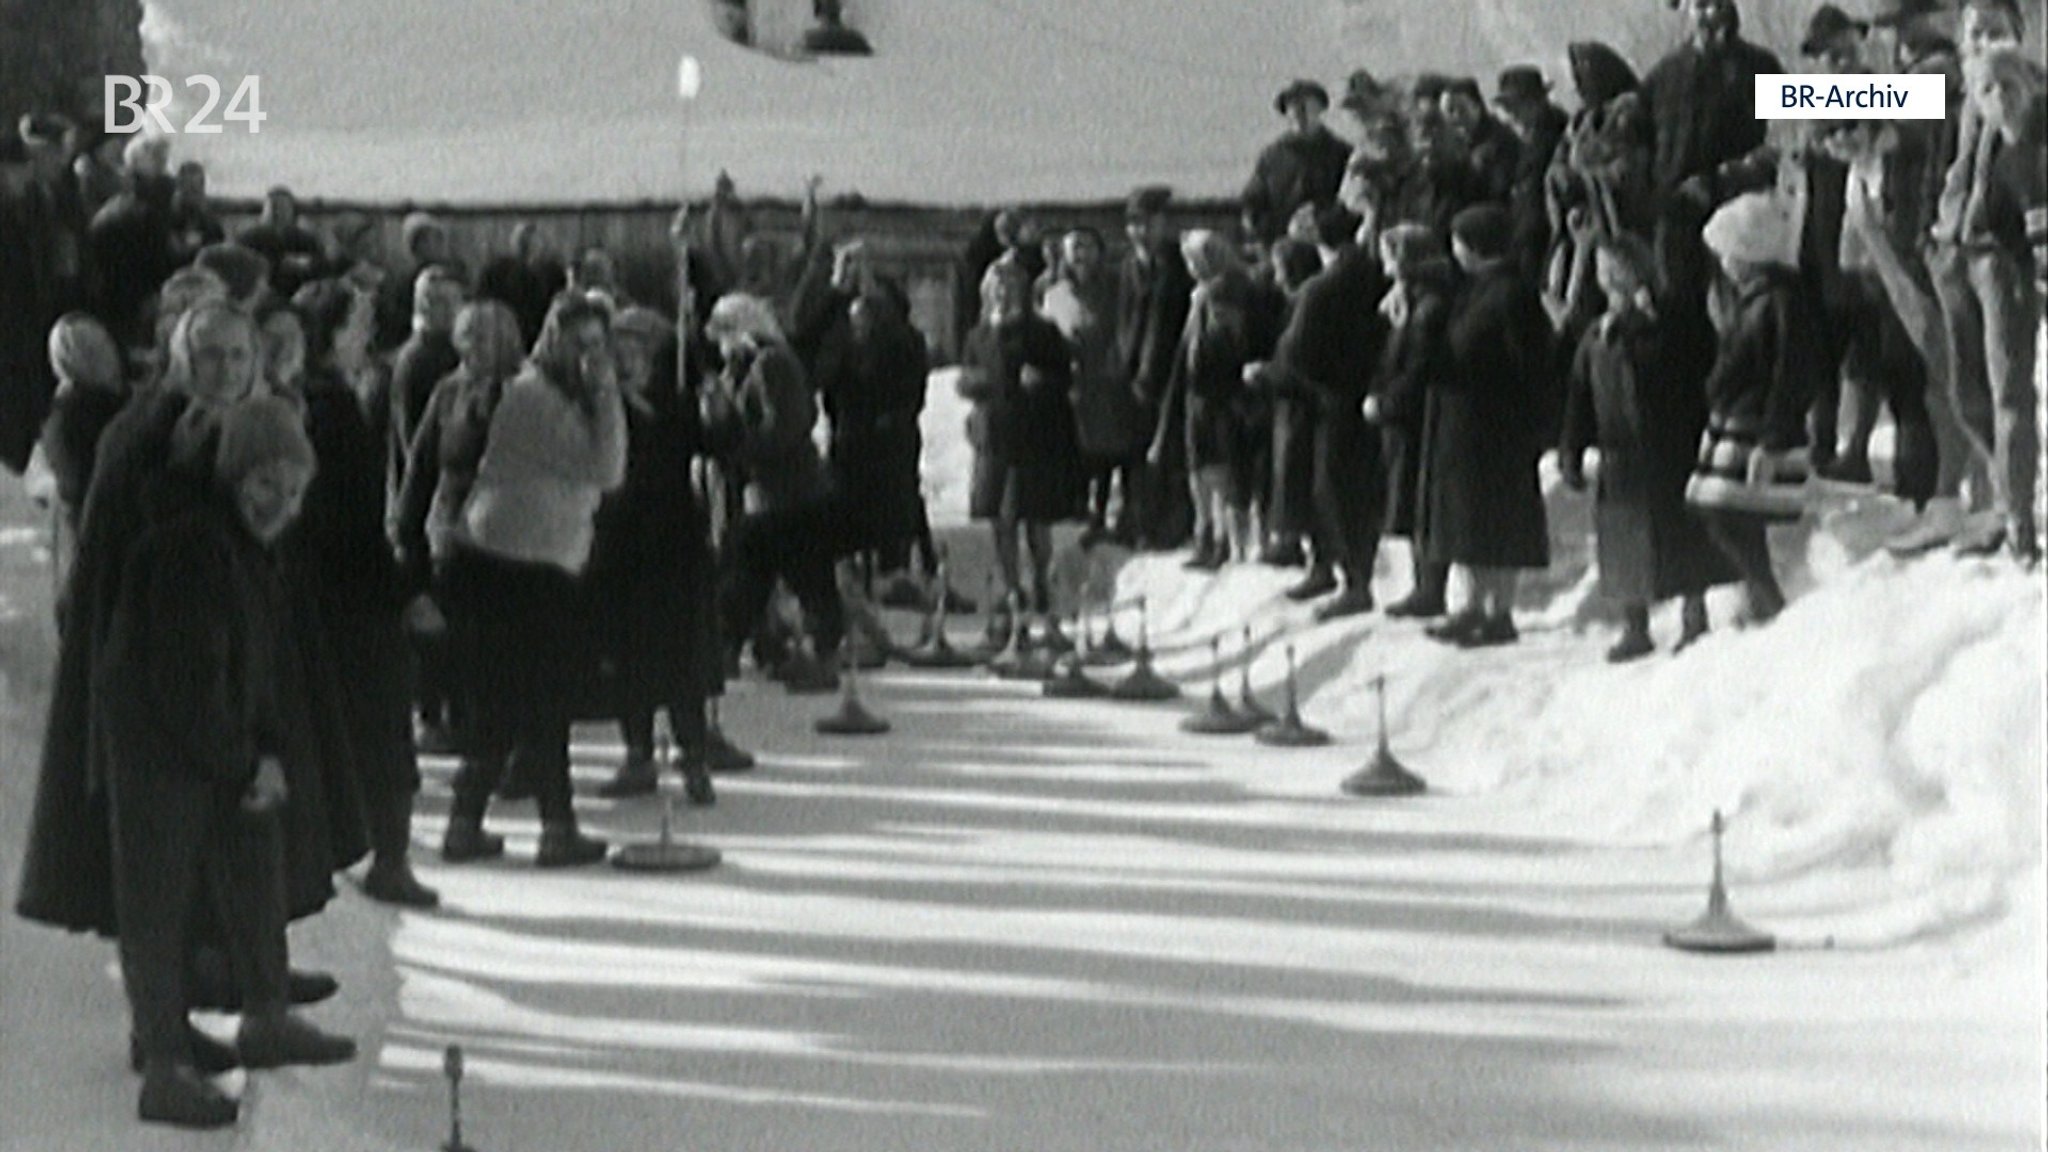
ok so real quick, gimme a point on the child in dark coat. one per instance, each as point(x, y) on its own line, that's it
point(1646, 425)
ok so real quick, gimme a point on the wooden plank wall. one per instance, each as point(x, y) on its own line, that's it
point(921, 246)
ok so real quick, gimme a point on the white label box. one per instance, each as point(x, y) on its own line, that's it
point(1853, 96)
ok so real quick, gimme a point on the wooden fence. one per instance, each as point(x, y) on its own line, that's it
point(920, 246)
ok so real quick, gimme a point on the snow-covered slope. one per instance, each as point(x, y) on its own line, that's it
point(1880, 745)
point(965, 100)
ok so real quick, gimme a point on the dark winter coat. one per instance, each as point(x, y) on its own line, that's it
point(1702, 110)
point(71, 438)
point(1106, 412)
point(1232, 322)
point(338, 556)
point(296, 255)
point(1527, 204)
point(873, 391)
point(523, 286)
point(132, 254)
point(34, 292)
point(1296, 169)
point(422, 362)
point(440, 469)
point(1413, 358)
point(1027, 455)
point(67, 869)
point(1623, 400)
point(1153, 294)
point(768, 435)
point(1495, 155)
point(1480, 504)
point(1771, 357)
point(649, 588)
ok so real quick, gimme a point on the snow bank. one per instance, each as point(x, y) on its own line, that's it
point(1878, 749)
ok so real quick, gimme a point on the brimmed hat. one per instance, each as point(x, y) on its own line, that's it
point(1522, 82)
point(1149, 200)
point(1301, 90)
point(1828, 22)
point(258, 432)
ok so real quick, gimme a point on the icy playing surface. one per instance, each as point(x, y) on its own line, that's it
point(1022, 924)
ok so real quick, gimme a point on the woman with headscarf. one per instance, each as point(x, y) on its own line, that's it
point(1017, 371)
point(1231, 323)
point(555, 446)
point(92, 387)
point(648, 587)
point(1485, 422)
point(1602, 164)
point(759, 415)
point(871, 379)
point(153, 463)
point(339, 563)
point(195, 736)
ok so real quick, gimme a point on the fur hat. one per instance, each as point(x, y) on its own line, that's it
point(1753, 228)
point(1298, 91)
point(256, 433)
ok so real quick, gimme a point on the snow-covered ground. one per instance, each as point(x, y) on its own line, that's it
point(1016, 923)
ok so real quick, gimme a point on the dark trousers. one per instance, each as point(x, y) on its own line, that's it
point(798, 546)
point(515, 631)
point(178, 841)
point(1105, 474)
point(685, 720)
point(1350, 491)
point(1879, 364)
point(1743, 538)
point(1292, 510)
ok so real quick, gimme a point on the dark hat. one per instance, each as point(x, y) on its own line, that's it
point(1485, 228)
point(1301, 90)
point(1149, 200)
point(1429, 86)
point(1522, 82)
point(1465, 86)
point(1891, 12)
point(1828, 22)
point(1924, 40)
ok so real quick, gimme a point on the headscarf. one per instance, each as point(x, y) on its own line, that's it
point(1753, 228)
point(1599, 72)
point(745, 315)
point(83, 352)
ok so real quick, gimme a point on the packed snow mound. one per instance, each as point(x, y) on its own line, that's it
point(964, 101)
point(1879, 746)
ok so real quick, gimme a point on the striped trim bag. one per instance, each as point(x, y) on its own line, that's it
point(1720, 478)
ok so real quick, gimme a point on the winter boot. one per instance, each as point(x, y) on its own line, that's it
point(697, 785)
point(1320, 582)
point(1692, 623)
point(1635, 642)
point(466, 840)
point(1491, 632)
point(175, 1094)
point(806, 675)
point(636, 777)
point(210, 983)
point(562, 845)
point(1937, 524)
point(278, 1039)
point(1455, 629)
point(390, 879)
point(1355, 600)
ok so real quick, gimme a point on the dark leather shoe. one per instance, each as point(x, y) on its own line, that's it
point(1319, 582)
point(466, 840)
point(1283, 556)
point(283, 1040)
point(722, 755)
point(1355, 601)
point(1492, 632)
point(635, 777)
point(1416, 607)
point(395, 884)
point(697, 786)
point(203, 1052)
point(1633, 645)
point(177, 1095)
point(565, 847)
point(1455, 629)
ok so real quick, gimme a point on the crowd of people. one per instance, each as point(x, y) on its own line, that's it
point(1409, 319)
point(329, 509)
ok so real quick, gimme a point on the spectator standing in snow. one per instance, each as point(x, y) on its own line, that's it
point(1083, 306)
point(1647, 427)
point(1303, 166)
point(1752, 460)
point(1416, 307)
point(1153, 293)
